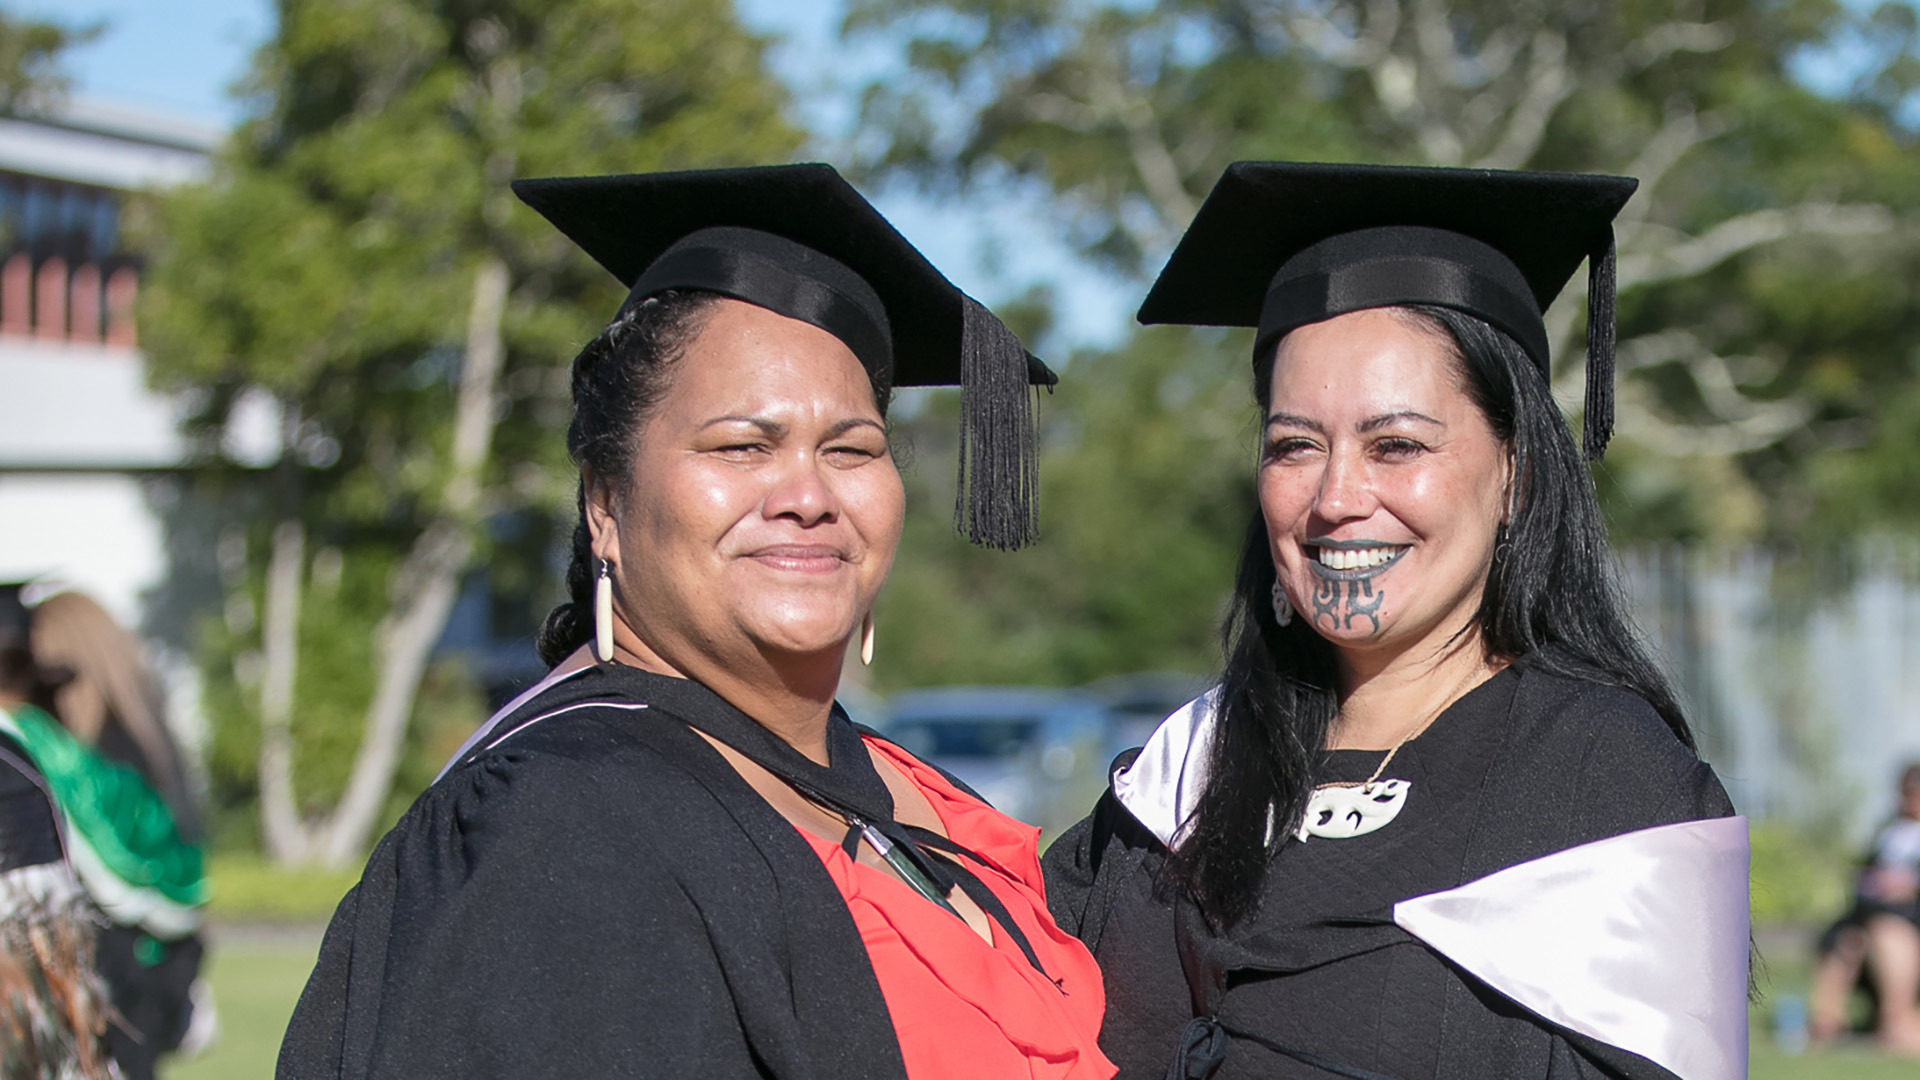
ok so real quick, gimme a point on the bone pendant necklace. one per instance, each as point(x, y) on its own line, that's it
point(1343, 809)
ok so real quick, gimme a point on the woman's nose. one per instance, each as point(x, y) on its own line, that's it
point(1345, 491)
point(802, 491)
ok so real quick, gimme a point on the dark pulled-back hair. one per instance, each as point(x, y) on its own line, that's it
point(618, 381)
point(1551, 596)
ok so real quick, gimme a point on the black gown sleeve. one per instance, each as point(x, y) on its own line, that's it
point(1107, 885)
point(1582, 763)
point(517, 923)
point(1587, 763)
point(1071, 867)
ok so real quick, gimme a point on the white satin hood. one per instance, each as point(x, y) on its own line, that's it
point(1161, 789)
point(1639, 941)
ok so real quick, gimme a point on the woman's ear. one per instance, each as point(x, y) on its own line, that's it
point(598, 502)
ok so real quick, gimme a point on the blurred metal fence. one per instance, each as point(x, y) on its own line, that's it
point(1802, 677)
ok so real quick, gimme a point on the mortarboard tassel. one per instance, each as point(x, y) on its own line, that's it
point(1597, 430)
point(996, 503)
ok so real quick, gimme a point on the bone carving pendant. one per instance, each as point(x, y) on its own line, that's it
point(1341, 812)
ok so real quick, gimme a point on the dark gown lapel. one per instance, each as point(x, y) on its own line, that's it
point(848, 783)
point(804, 991)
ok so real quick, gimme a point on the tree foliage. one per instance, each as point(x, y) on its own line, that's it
point(359, 263)
point(1767, 311)
point(1145, 485)
point(30, 50)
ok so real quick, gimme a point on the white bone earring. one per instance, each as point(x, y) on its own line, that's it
point(1282, 607)
point(866, 640)
point(603, 611)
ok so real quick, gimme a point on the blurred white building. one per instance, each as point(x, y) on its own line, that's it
point(89, 456)
point(85, 447)
point(94, 490)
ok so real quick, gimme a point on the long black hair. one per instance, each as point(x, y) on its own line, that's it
point(618, 380)
point(1552, 596)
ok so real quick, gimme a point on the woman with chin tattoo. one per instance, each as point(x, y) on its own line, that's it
point(676, 856)
point(1442, 816)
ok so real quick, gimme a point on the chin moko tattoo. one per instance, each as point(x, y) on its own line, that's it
point(1341, 602)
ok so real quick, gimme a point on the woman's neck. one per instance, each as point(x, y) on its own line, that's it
point(789, 695)
point(1388, 697)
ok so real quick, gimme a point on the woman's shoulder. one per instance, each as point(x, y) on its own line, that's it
point(584, 778)
point(1564, 711)
point(1607, 754)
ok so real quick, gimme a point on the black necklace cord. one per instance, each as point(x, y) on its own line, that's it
point(978, 892)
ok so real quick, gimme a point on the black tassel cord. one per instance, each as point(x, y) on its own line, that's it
point(997, 501)
point(1598, 427)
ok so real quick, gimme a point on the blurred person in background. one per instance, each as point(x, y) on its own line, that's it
point(1880, 935)
point(53, 1006)
point(110, 700)
point(675, 855)
point(92, 726)
point(1442, 816)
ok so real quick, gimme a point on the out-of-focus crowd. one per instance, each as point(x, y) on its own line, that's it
point(101, 874)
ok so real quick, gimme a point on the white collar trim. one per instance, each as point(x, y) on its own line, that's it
point(1162, 787)
point(485, 730)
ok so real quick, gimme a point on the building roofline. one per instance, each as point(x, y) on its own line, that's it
point(131, 123)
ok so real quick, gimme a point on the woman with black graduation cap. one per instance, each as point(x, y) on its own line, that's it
point(1442, 817)
point(676, 856)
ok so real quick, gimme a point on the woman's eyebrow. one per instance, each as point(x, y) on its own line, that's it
point(1288, 419)
point(1375, 423)
point(772, 429)
point(850, 423)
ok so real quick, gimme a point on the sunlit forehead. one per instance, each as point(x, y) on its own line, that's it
point(1365, 372)
point(753, 371)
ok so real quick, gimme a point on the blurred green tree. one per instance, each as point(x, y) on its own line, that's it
point(359, 268)
point(1768, 309)
point(30, 50)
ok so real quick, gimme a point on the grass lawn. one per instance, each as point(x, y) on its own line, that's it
point(1852, 1064)
point(247, 889)
point(256, 980)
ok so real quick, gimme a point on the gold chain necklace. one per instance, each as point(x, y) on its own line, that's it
point(1459, 691)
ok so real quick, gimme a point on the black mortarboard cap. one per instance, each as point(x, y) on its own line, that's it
point(800, 241)
point(1279, 245)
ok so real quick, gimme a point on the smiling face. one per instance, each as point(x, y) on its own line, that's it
point(763, 508)
point(1381, 482)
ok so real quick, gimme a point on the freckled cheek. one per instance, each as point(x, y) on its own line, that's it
point(1286, 500)
point(1286, 494)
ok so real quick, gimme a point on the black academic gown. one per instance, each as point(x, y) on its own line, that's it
point(1525, 765)
point(594, 892)
point(29, 824)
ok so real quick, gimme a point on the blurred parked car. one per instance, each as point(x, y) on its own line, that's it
point(1034, 753)
point(1137, 702)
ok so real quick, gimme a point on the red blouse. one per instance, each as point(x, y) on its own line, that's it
point(964, 1009)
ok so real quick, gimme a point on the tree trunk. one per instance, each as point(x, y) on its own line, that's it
point(286, 840)
point(428, 580)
